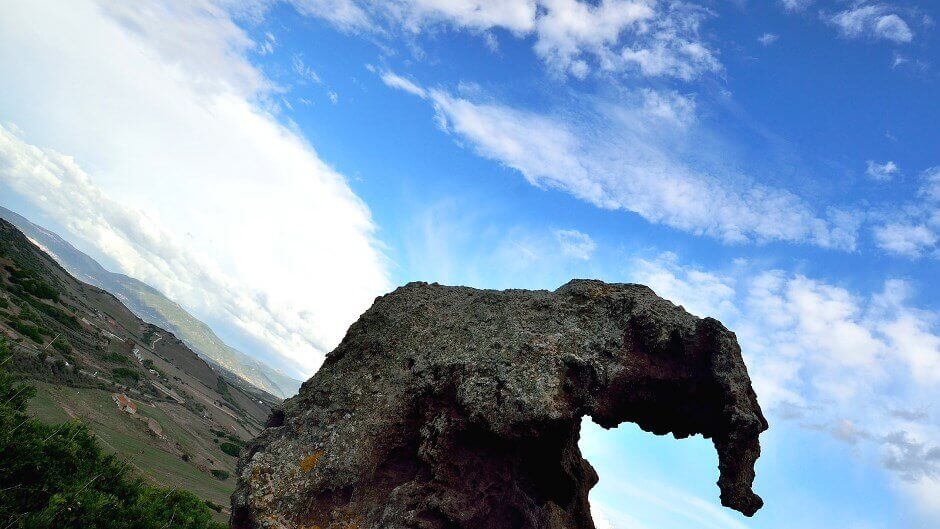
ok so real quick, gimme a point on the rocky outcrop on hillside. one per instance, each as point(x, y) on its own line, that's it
point(450, 407)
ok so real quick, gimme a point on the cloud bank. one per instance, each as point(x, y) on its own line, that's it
point(129, 110)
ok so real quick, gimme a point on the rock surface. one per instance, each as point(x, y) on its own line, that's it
point(450, 407)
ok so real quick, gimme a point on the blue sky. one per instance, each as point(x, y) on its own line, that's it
point(273, 166)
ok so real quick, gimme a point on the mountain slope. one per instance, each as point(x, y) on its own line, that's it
point(141, 390)
point(153, 307)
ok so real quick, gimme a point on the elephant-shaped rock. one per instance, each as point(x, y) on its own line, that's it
point(452, 407)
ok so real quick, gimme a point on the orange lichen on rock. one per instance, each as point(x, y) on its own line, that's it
point(309, 462)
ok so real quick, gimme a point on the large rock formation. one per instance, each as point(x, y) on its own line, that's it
point(448, 408)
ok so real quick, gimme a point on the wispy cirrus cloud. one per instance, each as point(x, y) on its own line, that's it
point(620, 159)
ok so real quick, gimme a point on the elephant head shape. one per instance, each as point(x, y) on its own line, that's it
point(451, 407)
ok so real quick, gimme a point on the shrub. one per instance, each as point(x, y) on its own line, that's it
point(125, 373)
point(57, 314)
point(30, 331)
point(231, 449)
point(33, 285)
point(62, 345)
point(117, 358)
point(220, 475)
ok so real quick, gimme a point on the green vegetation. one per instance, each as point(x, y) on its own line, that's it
point(62, 345)
point(225, 435)
point(117, 358)
point(58, 476)
point(231, 449)
point(28, 330)
point(30, 315)
point(220, 475)
point(31, 284)
point(221, 386)
point(4, 304)
point(56, 313)
point(125, 373)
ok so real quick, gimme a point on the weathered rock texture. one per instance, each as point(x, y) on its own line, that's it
point(450, 407)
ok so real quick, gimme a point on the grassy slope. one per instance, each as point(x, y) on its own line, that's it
point(131, 440)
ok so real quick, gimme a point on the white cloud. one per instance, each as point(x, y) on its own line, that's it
point(172, 121)
point(930, 189)
point(574, 37)
point(768, 38)
point(396, 81)
point(673, 47)
point(795, 5)
point(913, 230)
point(909, 240)
point(618, 159)
point(266, 47)
point(882, 171)
point(873, 21)
point(514, 15)
point(670, 106)
point(925, 492)
point(570, 28)
point(575, 244)
point(345, 14)
point(305, 72)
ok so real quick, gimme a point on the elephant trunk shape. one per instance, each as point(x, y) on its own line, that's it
point(450, 407)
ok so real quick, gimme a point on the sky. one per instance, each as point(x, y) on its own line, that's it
point(274, 165)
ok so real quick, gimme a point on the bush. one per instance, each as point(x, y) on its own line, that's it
point(4, 304)
point(57, 476)
point(125, 373)
point(57, 314)
point(33, 285)
point(220, 475)
point(30, 315)
point(30, 331)
point(231, 449)
point(117, 358)
point(62, 345)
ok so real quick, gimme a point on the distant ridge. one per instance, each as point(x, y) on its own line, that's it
point(153, 307)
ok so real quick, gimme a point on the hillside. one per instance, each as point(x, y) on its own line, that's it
point(82, 348)
point(153, 307)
